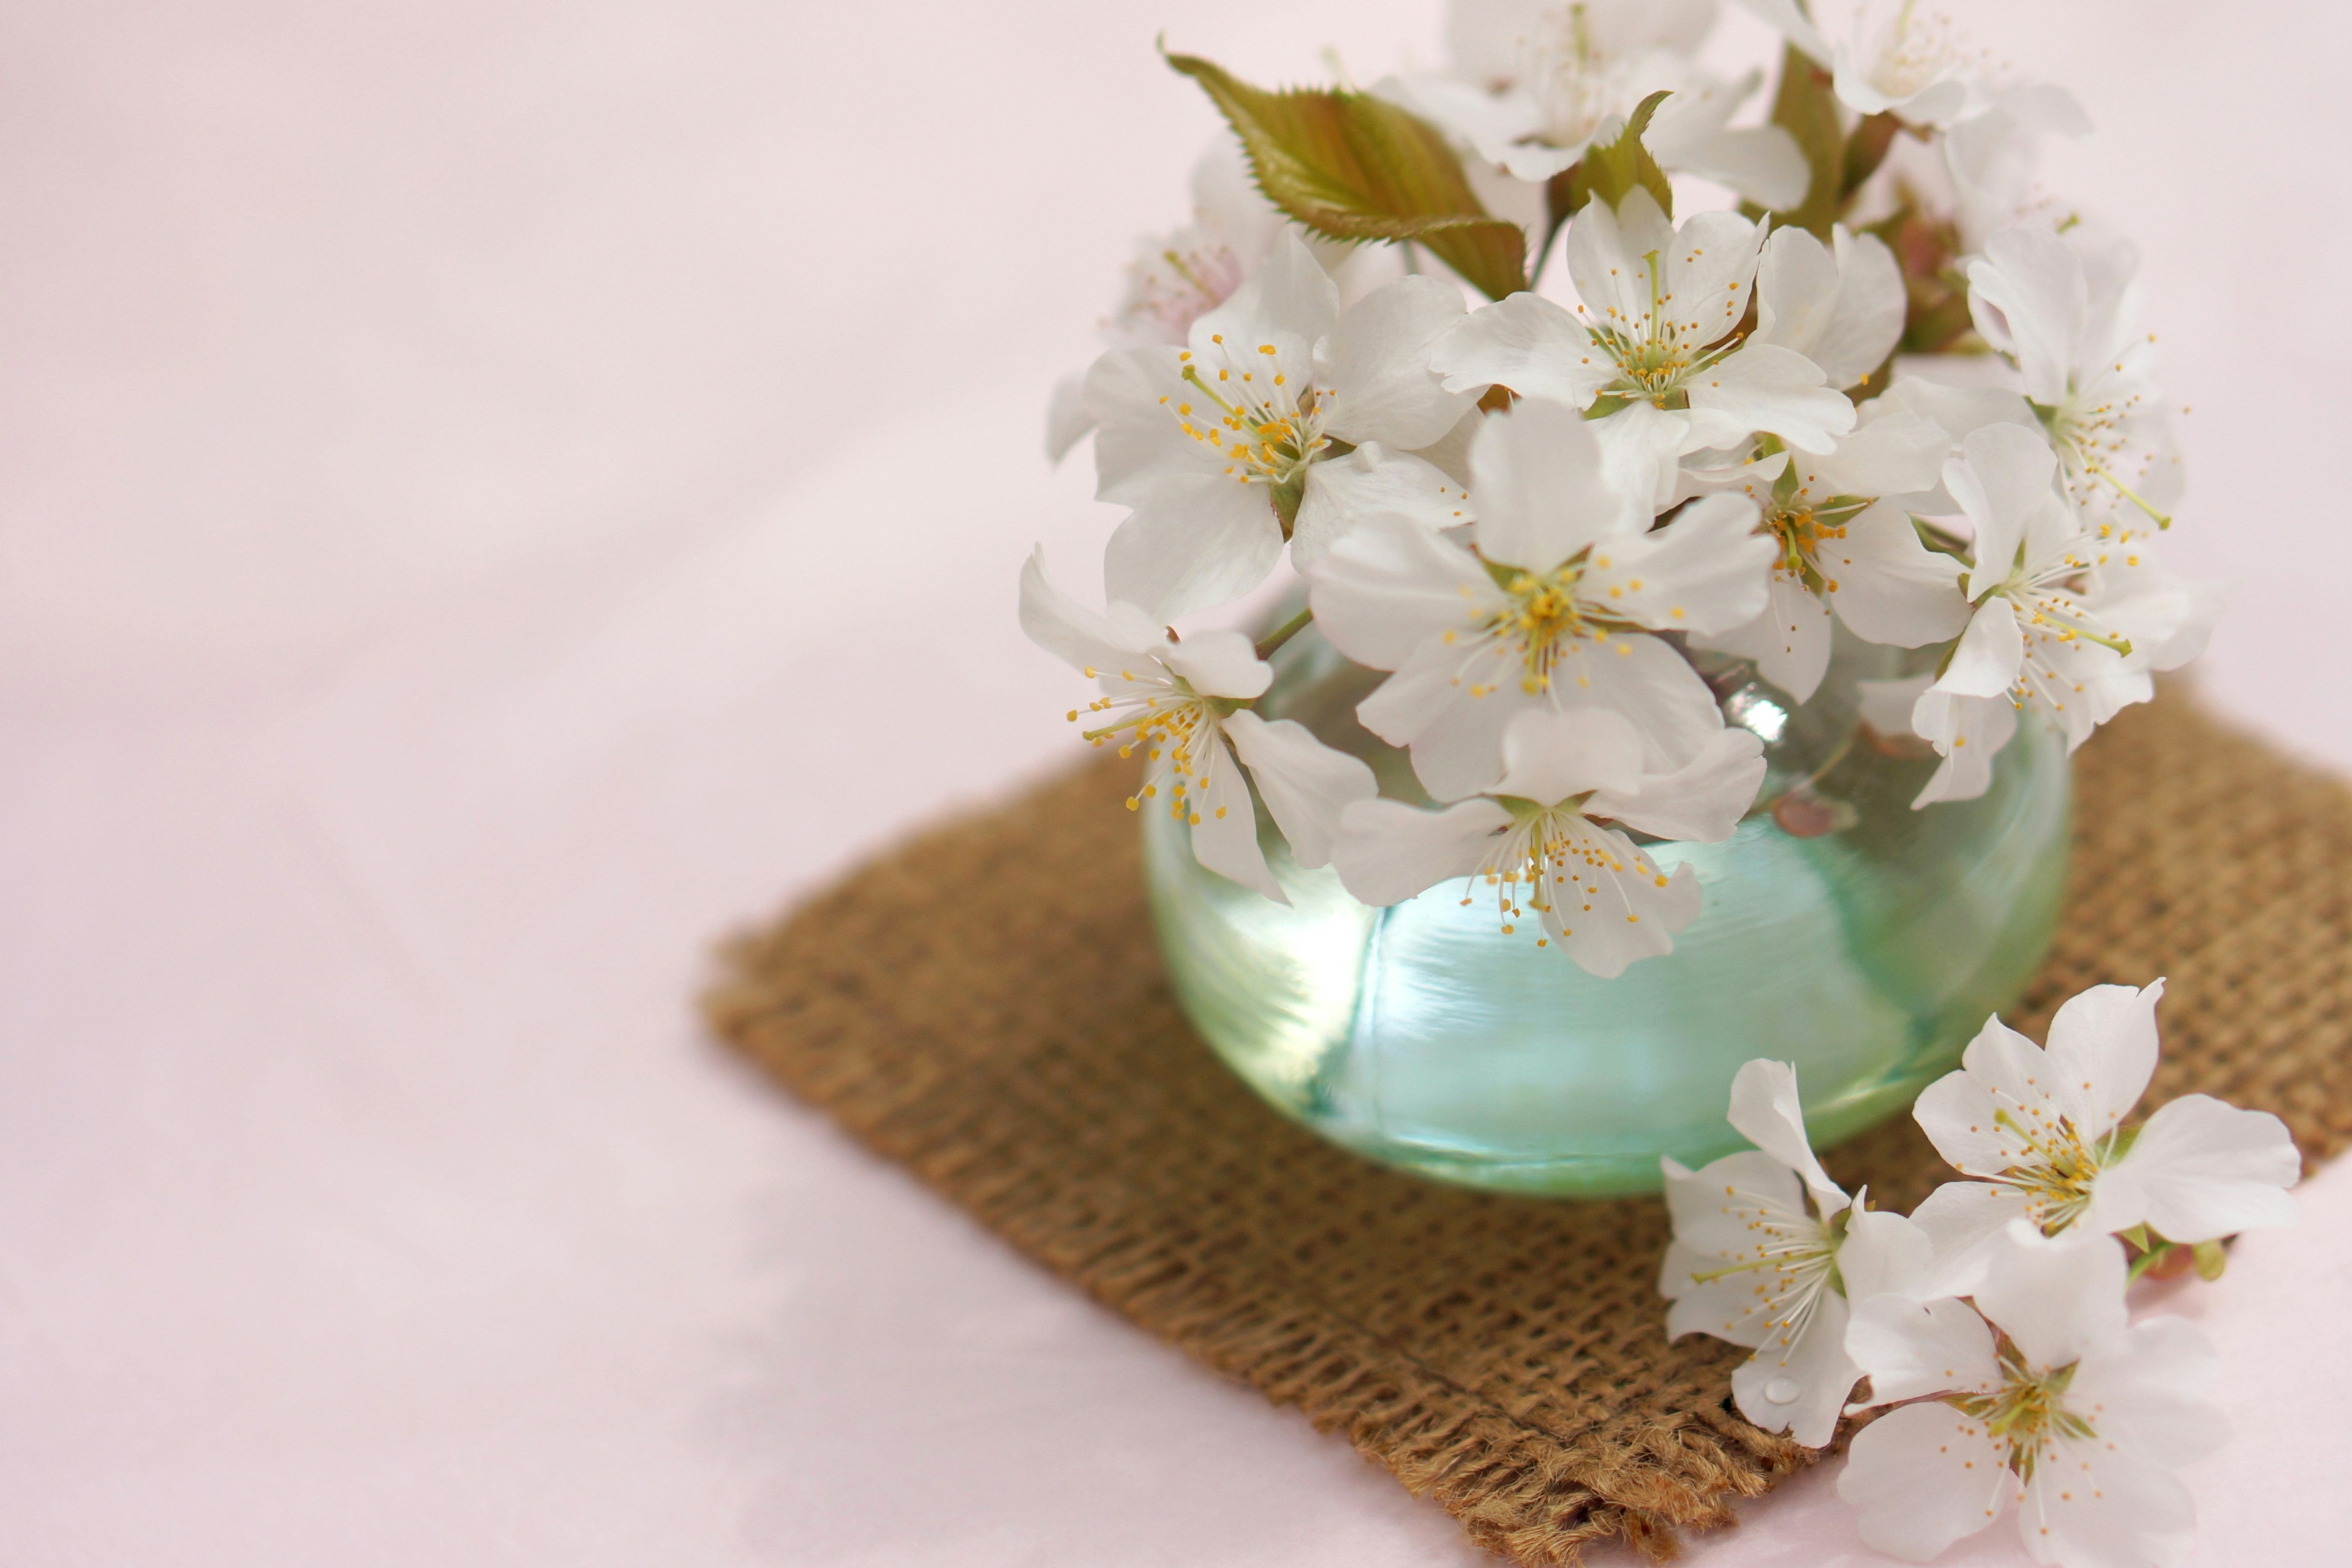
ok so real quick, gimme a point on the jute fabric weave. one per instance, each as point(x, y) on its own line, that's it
point(985, 1006)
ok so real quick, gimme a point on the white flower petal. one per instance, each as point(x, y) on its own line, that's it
point(1969, 733)
point(1391, 588)
point(1527, 344)
point(1306, 784)
point(1542, 496)
point(2003, 479)
point(1883, 1254)
point(1843, 309)
point(1614, 919)
point(1766, 1112)
point(1707, 570)
point(1991, 652)
point(1889, 587)
point(1762, 387)
point(1369, 481)
point(1924, 1476)
point(1742, 1209)
point(1219, 664)
point(1388, 852)
point(1797, 1380)
point(1913, 1350)
point(2103, 1052)
point(2092, 1504)
point(2200, 1169)
point(1549, 756)
point(1965, 1223)
point(1892, 453)
point(2150, 1391)
point(1067, 629)
point(1790, 641)
point(1289, 294)
point(1193, 542)
point(1700, 802)
point(1138, 443)
point(2026, 293)
point(2059, 1298)
point(1224, 825)
point(1375, 370)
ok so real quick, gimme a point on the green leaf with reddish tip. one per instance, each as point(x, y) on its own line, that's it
point(1611, 172)
point(1356, 167)
point(1806, 107)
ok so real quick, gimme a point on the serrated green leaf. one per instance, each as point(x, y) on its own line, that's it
point(1806, 107)
point(1353, 166)
point(1611, 172)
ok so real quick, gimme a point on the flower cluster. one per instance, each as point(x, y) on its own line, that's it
point(1992, 1321)
point(1539, 451)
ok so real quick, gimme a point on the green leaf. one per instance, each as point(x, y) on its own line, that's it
point(1611, 172)
point(1806, 107)
point(1358, 167)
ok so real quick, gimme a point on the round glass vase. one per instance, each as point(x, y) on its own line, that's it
point(1843, 930)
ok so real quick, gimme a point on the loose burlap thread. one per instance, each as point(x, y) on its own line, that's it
point(985, 1006)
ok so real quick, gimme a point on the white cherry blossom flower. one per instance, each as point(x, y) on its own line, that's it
point(1649, 349)
point(1841, 305)
point(1174, 700)
point(1908, 63)
point(2054, 1405)
point(2063, 309)
point(1214, 446)
point(1992, 153)
point(2039, 1132)
point(1533, 83)
point(1842, 530)
point(2068, 616)
point(1179, 277)
point(1750, 1264)
point(1538, 839)
point(1551, 607)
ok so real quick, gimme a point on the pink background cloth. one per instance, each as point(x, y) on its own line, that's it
point(493, 495)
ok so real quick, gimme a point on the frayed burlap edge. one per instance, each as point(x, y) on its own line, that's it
point(984, 1007)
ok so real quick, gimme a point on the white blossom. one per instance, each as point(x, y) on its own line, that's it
point(2039, 1396)
point(1206, 443)
point(1179, 277)
point(2068, 615)
point(1649, 349)
point(1533, 83)
point(1539, 842)
point(1844, 540)
point(1550, 606)
point(1751, 1264)
point(2062, 309)
point(1181, 701)
point(2040, 1133)
point(1899, 60)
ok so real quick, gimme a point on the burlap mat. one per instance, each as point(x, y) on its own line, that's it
point(985, 1006)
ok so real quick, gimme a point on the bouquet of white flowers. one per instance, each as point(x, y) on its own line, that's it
point(1535, 437)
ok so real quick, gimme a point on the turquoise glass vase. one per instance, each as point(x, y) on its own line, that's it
point(1843, 930)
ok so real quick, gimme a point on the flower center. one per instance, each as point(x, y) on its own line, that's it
point(1549, 860)
point(2089, 430)
point(2059, 1167)
point(1657, 352)
point(1268, 423)
point(1914, 53)
point(1178, 729)
point(2027, 1414)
